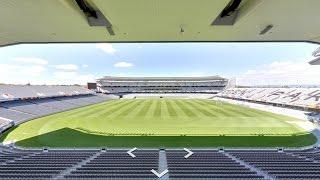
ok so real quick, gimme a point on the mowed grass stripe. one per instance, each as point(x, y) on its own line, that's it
point(164, 108)
point(150, 112)
point(170, 108)
point(157, 110)
point(85, 110)
point(201, 109)
point(241, 110)
point(113, 109)
point(145, 109)
point(251, 111)
point(190, 108)
point(128, 122)
point(180, 112)
point(93, 111)
point(108, 109)
point(221, 108)
point(130, 110)
point(123, 110)
point(236, 110)
point(220, 112)
point(185, 109)
point(138, 109)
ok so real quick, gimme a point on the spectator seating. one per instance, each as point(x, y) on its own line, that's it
point(206, 164)
point(292, 97)
point(282, 165)
point(22, 110)
point(15, 92)
point(14, 115)
point(20, 103)
point(117, 164)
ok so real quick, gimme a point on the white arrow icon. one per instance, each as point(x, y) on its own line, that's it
point(130, 152)
point(161, 174)
point(189, 153)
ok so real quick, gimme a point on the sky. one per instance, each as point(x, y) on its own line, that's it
point(249, 63)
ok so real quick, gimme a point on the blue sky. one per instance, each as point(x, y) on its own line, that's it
point(249, 63)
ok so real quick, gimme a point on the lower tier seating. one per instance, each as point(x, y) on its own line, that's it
point(20, 111)
point(117, 164)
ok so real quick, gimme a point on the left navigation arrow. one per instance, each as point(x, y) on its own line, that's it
point(130, 152)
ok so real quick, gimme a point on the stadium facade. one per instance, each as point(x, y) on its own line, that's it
point(118, 85)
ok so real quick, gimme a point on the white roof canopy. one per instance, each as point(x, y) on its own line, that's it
point(24, 21)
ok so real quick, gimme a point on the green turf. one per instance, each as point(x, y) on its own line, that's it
point(161, 123)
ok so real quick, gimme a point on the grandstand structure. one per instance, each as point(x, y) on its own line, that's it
point(296, 98)
point(47, 21)
point(20, 103)
point(125, 85)
point(116, 164)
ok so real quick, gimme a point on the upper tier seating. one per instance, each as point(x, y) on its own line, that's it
point(13, 92)
point(293, 97)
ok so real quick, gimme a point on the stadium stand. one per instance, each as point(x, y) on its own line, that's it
point(282, 164)
point(206, 164)
point(119, 85)
point(114, 164)
point(20, 103)
point(5, 124)
point(28, 108)
point(15, 116)
point(298, 98)
point(117, 164)
point(168, 95)
point(14, 92)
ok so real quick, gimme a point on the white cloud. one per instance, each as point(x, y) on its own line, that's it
point(282, 73)
point(62, 77)
point(108, 48)
point(66, 67)
point(85, 65)
point(31, 60)
point(20, 74)
point(123, 64)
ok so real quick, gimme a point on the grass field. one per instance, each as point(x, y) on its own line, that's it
point(161, 123)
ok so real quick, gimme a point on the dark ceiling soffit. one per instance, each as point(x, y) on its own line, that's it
point(95, 17)
point(228, 15)
point(186, 41)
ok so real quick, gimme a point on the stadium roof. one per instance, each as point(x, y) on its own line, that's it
point(204, 78)
point(158, 20)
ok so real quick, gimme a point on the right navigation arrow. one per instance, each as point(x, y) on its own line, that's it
point(189, 153)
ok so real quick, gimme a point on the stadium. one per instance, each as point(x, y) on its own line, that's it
point(89, 90)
